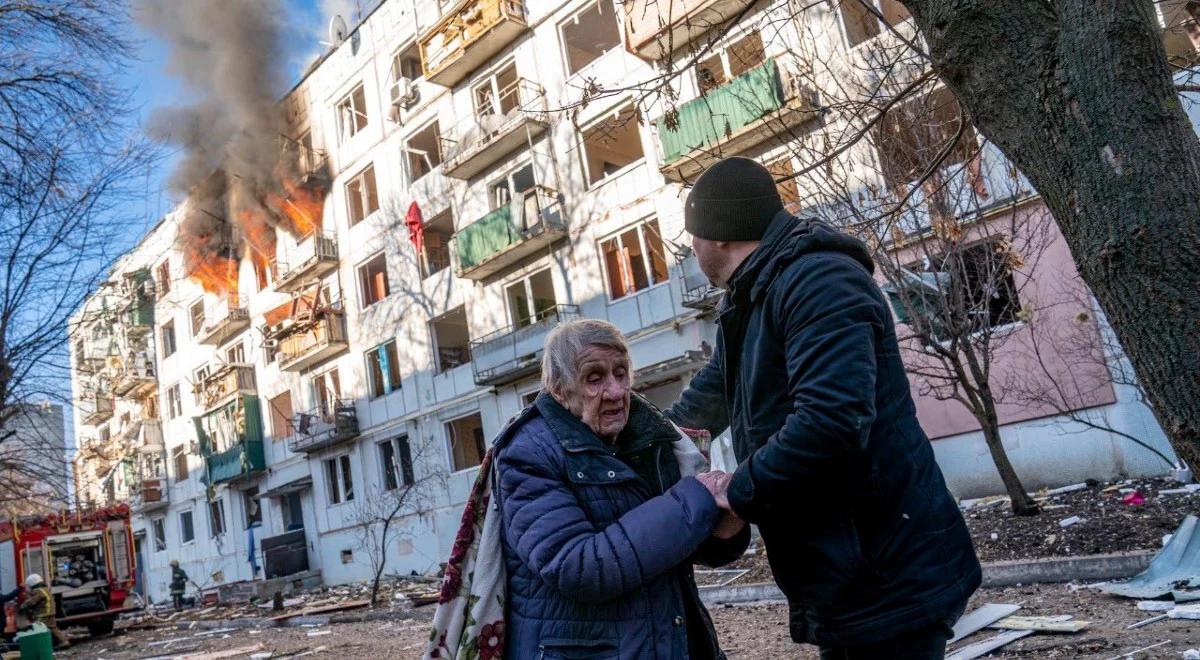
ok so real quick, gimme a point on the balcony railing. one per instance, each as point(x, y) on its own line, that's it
point(313, 342)
point(486, 138)
point(226, 381)
point(324, 427)
point(469, 34)
point(513, 353)
point(98, 407)
point(230, 318)
point(231, 440)
point(135, 378)
point(508, 234)
point(151, 495)
point(316, 257)
point(654, 27)
point(754, 107)
point(698, 292)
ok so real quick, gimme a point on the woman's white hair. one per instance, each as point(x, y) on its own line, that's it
point(560, 360)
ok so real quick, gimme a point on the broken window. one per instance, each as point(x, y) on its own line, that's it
point(281, 415)
point(383, 369)
point(423, 151)
point(339, 483)
point(530, 299)
point(406, 70)
point(216, 517)
point(395, 457)
point(435, 248)
point(196, 316)
point(912, 135)
point(634, 260)
point(737, 58)
point(861, 21)
point(327, 389)
point(163, 281)
point(612, 144)
point(179, 460)
point(158, 528)
point(236, 353)
point(499, 94)
point(251, 504)
point(168, 339)
point(971, 289)
point(467, 446)
point(789, 190)
point(174, 402)
point(352, 113)
point(451, 340)
point(362, 197)
point(187, 530)
point(589, 34)
point(373, 283)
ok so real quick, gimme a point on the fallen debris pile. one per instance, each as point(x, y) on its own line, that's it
point(1000, 616)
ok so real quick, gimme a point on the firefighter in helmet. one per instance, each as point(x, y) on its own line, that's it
point(179, 579)
point(39, 606)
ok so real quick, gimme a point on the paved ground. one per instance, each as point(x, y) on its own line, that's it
point(746, 631)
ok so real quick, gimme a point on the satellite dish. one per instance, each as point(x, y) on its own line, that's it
point(337, 29)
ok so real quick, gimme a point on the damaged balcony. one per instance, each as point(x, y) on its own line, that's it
point(138, 315)
point(224, 382)
point(311, 343)
point(756, 106)
point(231, 440)
point(513, 353)
point(326, 426)
point(469, 34)
point(151, 489)
point(230, 318)
point(655, 29)
point(514, 117)
point(316, 257)
point(136, 378)
point(509, 234)
point(698, 292)
point(98, 407)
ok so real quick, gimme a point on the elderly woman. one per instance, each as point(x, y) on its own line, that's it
point(600, 530)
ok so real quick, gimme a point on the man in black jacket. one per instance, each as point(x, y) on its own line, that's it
point(861, 533)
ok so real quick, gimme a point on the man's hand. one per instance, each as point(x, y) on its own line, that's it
point(717, 483)
point(728, 525)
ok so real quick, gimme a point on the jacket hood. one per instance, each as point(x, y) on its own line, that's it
point(787, 239)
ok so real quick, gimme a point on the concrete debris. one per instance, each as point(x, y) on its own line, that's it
point(1155, 605)
point(261, 656)
point(1185, 612)
point(320, 633)
point(1065, 489)
point(1191, 654)
point(1067, 522)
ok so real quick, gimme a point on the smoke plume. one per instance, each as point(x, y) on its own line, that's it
point(241, 179)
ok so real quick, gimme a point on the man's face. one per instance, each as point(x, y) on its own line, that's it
point(601, 395)
point(711, 258)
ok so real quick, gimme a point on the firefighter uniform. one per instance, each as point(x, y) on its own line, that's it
point(39, 606)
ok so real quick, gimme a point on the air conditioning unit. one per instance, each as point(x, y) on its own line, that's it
point(404, 96)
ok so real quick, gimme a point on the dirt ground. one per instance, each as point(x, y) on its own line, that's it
point(746, 631)
point(1108, 525)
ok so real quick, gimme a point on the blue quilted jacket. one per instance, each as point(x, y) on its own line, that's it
point(599, 540)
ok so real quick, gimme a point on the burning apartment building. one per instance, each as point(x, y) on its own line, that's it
point(352, 297)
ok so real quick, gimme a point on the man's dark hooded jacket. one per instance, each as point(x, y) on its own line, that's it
point(862, 535)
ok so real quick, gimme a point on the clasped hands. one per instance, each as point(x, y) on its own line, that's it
point(717, 483)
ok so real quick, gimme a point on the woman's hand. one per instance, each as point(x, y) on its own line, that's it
point(728, 525)
point(717, 483)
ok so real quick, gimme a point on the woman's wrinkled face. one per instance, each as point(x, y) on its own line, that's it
point(601, 395)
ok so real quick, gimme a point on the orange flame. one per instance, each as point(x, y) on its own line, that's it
point(217, 275)
point(302, 208)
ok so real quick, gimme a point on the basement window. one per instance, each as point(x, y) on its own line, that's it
point(634, 260)
point(352, 113)
point(451, 340)
point(467, 446)
point(373, 283)
point(362, 197)
point(611, 145)
point(435, 250)
point(423, 152)
point(588, 35)
point(383, 369)
point(861, 23)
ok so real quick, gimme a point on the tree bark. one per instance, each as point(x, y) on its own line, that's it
point(1079, 95)
point(1022, 503)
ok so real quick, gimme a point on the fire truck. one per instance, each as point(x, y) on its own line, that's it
point(87, 558)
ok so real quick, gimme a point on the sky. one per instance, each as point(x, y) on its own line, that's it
point(153, 87)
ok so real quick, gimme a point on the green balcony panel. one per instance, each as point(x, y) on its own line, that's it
point(245, 455)
point(486, 236)
point(722, 111)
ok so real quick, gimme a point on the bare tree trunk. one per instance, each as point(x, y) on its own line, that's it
point(1022, 503)
point(382, 562)
point(1078, 93)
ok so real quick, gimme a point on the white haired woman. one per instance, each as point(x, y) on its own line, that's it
point(600, 529)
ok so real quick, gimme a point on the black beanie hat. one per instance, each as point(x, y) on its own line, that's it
point(734, 200)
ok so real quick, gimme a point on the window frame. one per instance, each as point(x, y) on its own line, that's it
point(170, 345)
point(574, 17)
point(195, 328)
point(191, 517)
point(180, 453)
point(448, 428)
point(535, 316)
point(385, 377)
point(348, 101)
point(364, 196)
point(639, 226)
point(434, 344)
point(247, 501)
point(362, 290)
point(592, 126)
point(409, 153)
point(174, 397)
point(157, 525)
point(339, 482)
point(216, 506)
point(722, 55)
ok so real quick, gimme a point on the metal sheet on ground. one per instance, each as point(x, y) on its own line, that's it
point(988, 645)
point(1177, 563)
point(981, 618)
